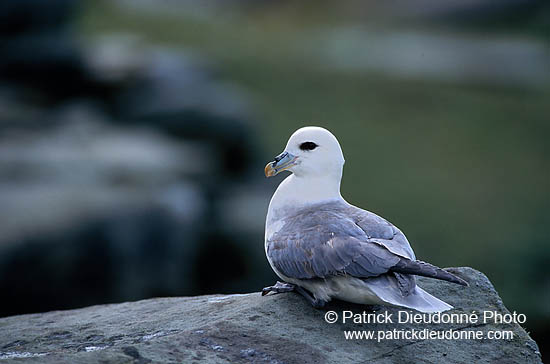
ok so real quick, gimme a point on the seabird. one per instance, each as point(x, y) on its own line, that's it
point(323, 247)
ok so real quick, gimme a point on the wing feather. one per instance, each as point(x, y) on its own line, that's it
point(340, 239)
point(321, 243)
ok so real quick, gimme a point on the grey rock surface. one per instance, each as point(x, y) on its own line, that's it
point(249, 328)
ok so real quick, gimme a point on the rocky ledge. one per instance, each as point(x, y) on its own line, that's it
point(249, 328)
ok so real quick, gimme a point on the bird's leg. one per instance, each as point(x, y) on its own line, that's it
point(315, 302)
point(279, 287)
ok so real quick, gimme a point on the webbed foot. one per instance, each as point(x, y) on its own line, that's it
point(279, 287)
point(283, 287)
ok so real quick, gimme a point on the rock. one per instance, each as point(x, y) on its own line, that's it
point(245, 328)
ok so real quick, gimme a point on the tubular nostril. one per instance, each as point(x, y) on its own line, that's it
point(279, 157)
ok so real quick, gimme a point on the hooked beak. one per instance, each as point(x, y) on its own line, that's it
point(281, 163)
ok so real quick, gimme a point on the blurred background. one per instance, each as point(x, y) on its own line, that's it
point(133, 136)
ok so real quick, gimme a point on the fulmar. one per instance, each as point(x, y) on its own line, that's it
point(323, 247)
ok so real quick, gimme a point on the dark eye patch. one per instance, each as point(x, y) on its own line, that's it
point(308, 146)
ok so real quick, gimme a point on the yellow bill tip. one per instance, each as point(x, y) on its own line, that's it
point(269, 170)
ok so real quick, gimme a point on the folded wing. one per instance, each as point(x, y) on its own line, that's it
point(327, 241)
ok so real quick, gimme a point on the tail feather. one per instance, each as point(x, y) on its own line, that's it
point(420, 268)
point(385, 287)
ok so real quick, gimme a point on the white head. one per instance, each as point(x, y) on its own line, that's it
point(315, 158)
point(310, 152)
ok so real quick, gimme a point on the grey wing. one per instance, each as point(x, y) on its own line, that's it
point(320, 244)
point(382, 232)
point(347, 241)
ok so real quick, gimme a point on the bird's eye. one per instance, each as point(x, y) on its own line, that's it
point(308, 146)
